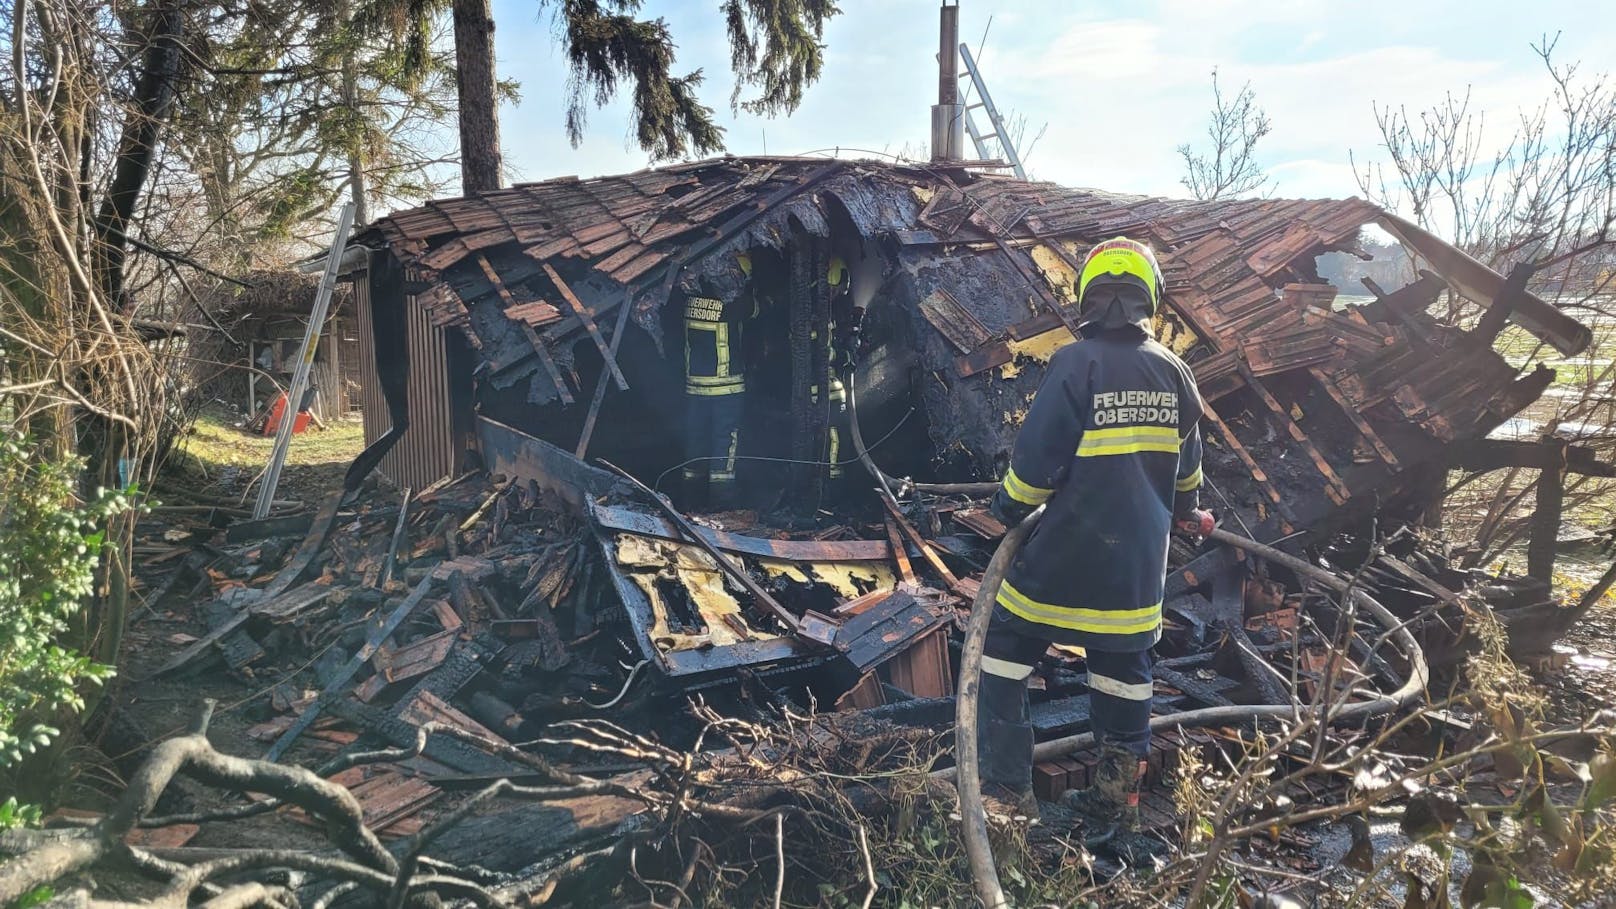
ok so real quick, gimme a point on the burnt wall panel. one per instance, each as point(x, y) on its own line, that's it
point(372, 406)
point(427, 452)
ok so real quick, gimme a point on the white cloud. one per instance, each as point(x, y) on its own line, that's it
point(1103, 51)
point(1122, 95)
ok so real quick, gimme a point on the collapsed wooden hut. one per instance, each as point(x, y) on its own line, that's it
point(529, 330)
point(245, 351)
point(510, 303)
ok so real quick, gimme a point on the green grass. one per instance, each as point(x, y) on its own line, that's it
point(219, 460)
point(215, 442)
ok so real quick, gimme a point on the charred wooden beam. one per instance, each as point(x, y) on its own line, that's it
point(464, 663)
point(1545, 533)
point(600, 384)
point(1257, 473)
point(338, 687)
point(1407, 306)
point(450, 752)
point(1355, 418)
point(1335, 487)
point(578, 309)
point(614, 517)
point(956, 323)
point(1497, 454)
point(1498, 312)
point(874, 636)
point(288, 525)
point(1193, 688)
point(1478, 282)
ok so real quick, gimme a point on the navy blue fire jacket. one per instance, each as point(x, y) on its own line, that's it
point(1111, 446)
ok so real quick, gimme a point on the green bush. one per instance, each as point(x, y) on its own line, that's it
point(49, 546)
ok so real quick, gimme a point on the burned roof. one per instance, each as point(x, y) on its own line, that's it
point(1344, 403)
point(630, 228)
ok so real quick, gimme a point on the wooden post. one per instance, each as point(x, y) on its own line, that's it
point(252, 383)
point(605, 374)
point(1546, 520)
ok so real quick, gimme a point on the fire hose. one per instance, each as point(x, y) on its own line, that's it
point(974, 820)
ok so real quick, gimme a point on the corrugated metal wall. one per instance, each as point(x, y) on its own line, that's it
point(330, 403)
point(426, 453)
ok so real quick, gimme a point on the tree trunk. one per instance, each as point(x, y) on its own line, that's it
point(357, 189)
point(142, 130)
point(479, 106)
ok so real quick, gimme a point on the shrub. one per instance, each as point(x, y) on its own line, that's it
point(49, 546)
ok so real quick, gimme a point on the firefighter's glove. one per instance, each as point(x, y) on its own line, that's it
point(1197, 524)
point(1008, 511)
point(848, 342)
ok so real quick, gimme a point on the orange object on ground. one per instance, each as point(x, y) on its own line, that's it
point(277, 411)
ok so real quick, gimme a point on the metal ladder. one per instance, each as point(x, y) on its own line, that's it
point(985, 102)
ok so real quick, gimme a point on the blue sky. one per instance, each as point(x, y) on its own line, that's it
point(1119, 85)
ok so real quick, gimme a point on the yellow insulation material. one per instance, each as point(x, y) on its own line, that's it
point(648, 558)
point(1039, 347)
point(848, 579)
point(1062, 279)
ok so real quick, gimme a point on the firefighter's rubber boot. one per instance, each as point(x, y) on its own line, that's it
point(1009, 805)
point(1004, 741)
point(1108, 794)
point(1110, 808)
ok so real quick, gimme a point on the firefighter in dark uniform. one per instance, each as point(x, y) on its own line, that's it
point(715, 392)
point(1111, 448)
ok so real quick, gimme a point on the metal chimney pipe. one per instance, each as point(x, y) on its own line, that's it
point(948, 115)
point(948, 55)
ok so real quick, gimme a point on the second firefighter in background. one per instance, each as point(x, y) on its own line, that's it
point(715, 381)
point(715, 391)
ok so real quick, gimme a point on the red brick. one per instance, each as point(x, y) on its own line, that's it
point(1048, 780)
point(1082, 769)
point(1074, 773)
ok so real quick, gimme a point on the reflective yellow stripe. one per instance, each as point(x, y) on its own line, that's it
point(835, 452)
point(721, 342)
point(1024, 492)
point(1118, 440)
point(1128, 691)
point(1005, 669)
point(1094, 621)
point(1190, 483)
point(838, 392)
point(728, 473)
point(715, 381)
point(733, 386)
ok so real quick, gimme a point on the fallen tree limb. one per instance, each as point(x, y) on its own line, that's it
point(192, 755)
